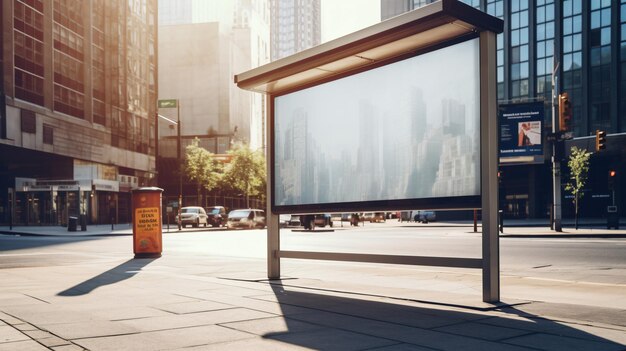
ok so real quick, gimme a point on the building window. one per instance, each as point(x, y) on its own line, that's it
point(600, 64)
point(28, 87)
point(28, 51)
point(496, 8)
point(474, 3)
point(572, 61)
point(519, 55)
point(28, 121)
point(69, 13)
point(48, 134)
point(544, 19)
point(69, 101)
point(622, 115)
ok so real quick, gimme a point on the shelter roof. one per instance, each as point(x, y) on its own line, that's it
point(396, 38)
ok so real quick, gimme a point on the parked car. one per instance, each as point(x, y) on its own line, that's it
point(309, 221)
point(294, 221)
point(283, 220)
point(217, 216)
point(353, 218)
point(286, 220)
point(193, 215)
point(322, 220)
point(248, 218)
point(374, 217)
point(424, 216)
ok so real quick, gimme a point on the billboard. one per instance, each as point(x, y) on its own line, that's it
point(403, 135)
point(521, 130)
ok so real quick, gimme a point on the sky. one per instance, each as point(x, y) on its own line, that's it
point(341, 17)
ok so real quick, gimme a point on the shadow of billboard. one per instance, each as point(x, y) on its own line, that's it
point(330, 322)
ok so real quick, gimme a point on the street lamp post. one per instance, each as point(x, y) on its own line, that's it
point(180, 167)
point(169, 103)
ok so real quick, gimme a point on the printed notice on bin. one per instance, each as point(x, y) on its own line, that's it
point(147, 220)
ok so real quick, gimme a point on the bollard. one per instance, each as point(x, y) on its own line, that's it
point(147, 227)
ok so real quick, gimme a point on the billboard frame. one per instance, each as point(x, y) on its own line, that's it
point(436, 25)
point(525, 112)
point(431, 203)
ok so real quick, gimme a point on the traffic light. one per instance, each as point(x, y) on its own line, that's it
point(612, 176)
point(565, 112)
point(600, 140)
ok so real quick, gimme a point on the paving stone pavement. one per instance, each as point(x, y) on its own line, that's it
point(183, 303)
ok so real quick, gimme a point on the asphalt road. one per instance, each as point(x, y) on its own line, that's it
point(577, 260)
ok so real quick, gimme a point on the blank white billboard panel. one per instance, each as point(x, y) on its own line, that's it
point(405, 131)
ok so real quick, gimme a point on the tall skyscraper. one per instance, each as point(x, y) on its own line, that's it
point(77, 109)
point(581, 42)
point(202, 45)
point(296, 26)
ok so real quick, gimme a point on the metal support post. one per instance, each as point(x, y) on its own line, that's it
point(180, 167)
point(475, 221)
point(489, 168)
point(273, 228)
point(556, 164)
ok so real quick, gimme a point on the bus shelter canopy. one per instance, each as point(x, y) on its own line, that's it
point(394, 39)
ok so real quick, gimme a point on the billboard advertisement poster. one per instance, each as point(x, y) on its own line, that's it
point(396, 134)
point(521, 129)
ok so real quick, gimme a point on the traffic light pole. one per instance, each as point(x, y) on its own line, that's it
point(180, 167)
point(556, 164)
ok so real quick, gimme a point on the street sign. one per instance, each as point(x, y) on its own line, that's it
point(168, 103)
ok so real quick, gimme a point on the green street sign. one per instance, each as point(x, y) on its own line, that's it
point(168, 103)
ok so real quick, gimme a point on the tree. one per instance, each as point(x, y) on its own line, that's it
point(246, 172)
point(201, 167)
point(579, 170)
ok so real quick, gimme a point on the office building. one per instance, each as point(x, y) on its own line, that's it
point(582, 42)
point(202, 45)
point(77, 113)
point(295, 26)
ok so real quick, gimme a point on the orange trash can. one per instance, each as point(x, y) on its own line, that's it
point(147, 225)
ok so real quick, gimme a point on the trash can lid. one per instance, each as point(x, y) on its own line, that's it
point(147, 189)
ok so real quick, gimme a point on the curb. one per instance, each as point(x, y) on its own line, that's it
point(564, 236)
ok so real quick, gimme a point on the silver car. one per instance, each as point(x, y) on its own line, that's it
point(193, 215)
point(248, 218)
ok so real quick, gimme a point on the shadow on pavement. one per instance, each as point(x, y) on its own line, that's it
point(10, 242)
point(115, 275)
point(325, 322)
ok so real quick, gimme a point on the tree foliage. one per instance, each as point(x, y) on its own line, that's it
point(246, 171)
point(579, 170)
point(201, 167)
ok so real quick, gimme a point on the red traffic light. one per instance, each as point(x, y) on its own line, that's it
point(612, 173)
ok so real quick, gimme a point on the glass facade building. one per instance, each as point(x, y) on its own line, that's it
point(295, 26)
point(580, 45)
point(78, 103)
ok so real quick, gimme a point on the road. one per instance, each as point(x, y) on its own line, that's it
point(584, 264)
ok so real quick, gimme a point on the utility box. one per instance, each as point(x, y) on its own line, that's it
point(147, 224)
point(612, 217)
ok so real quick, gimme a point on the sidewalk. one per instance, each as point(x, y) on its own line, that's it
point(215, 303)
point(183, 301)
point(91, 230)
